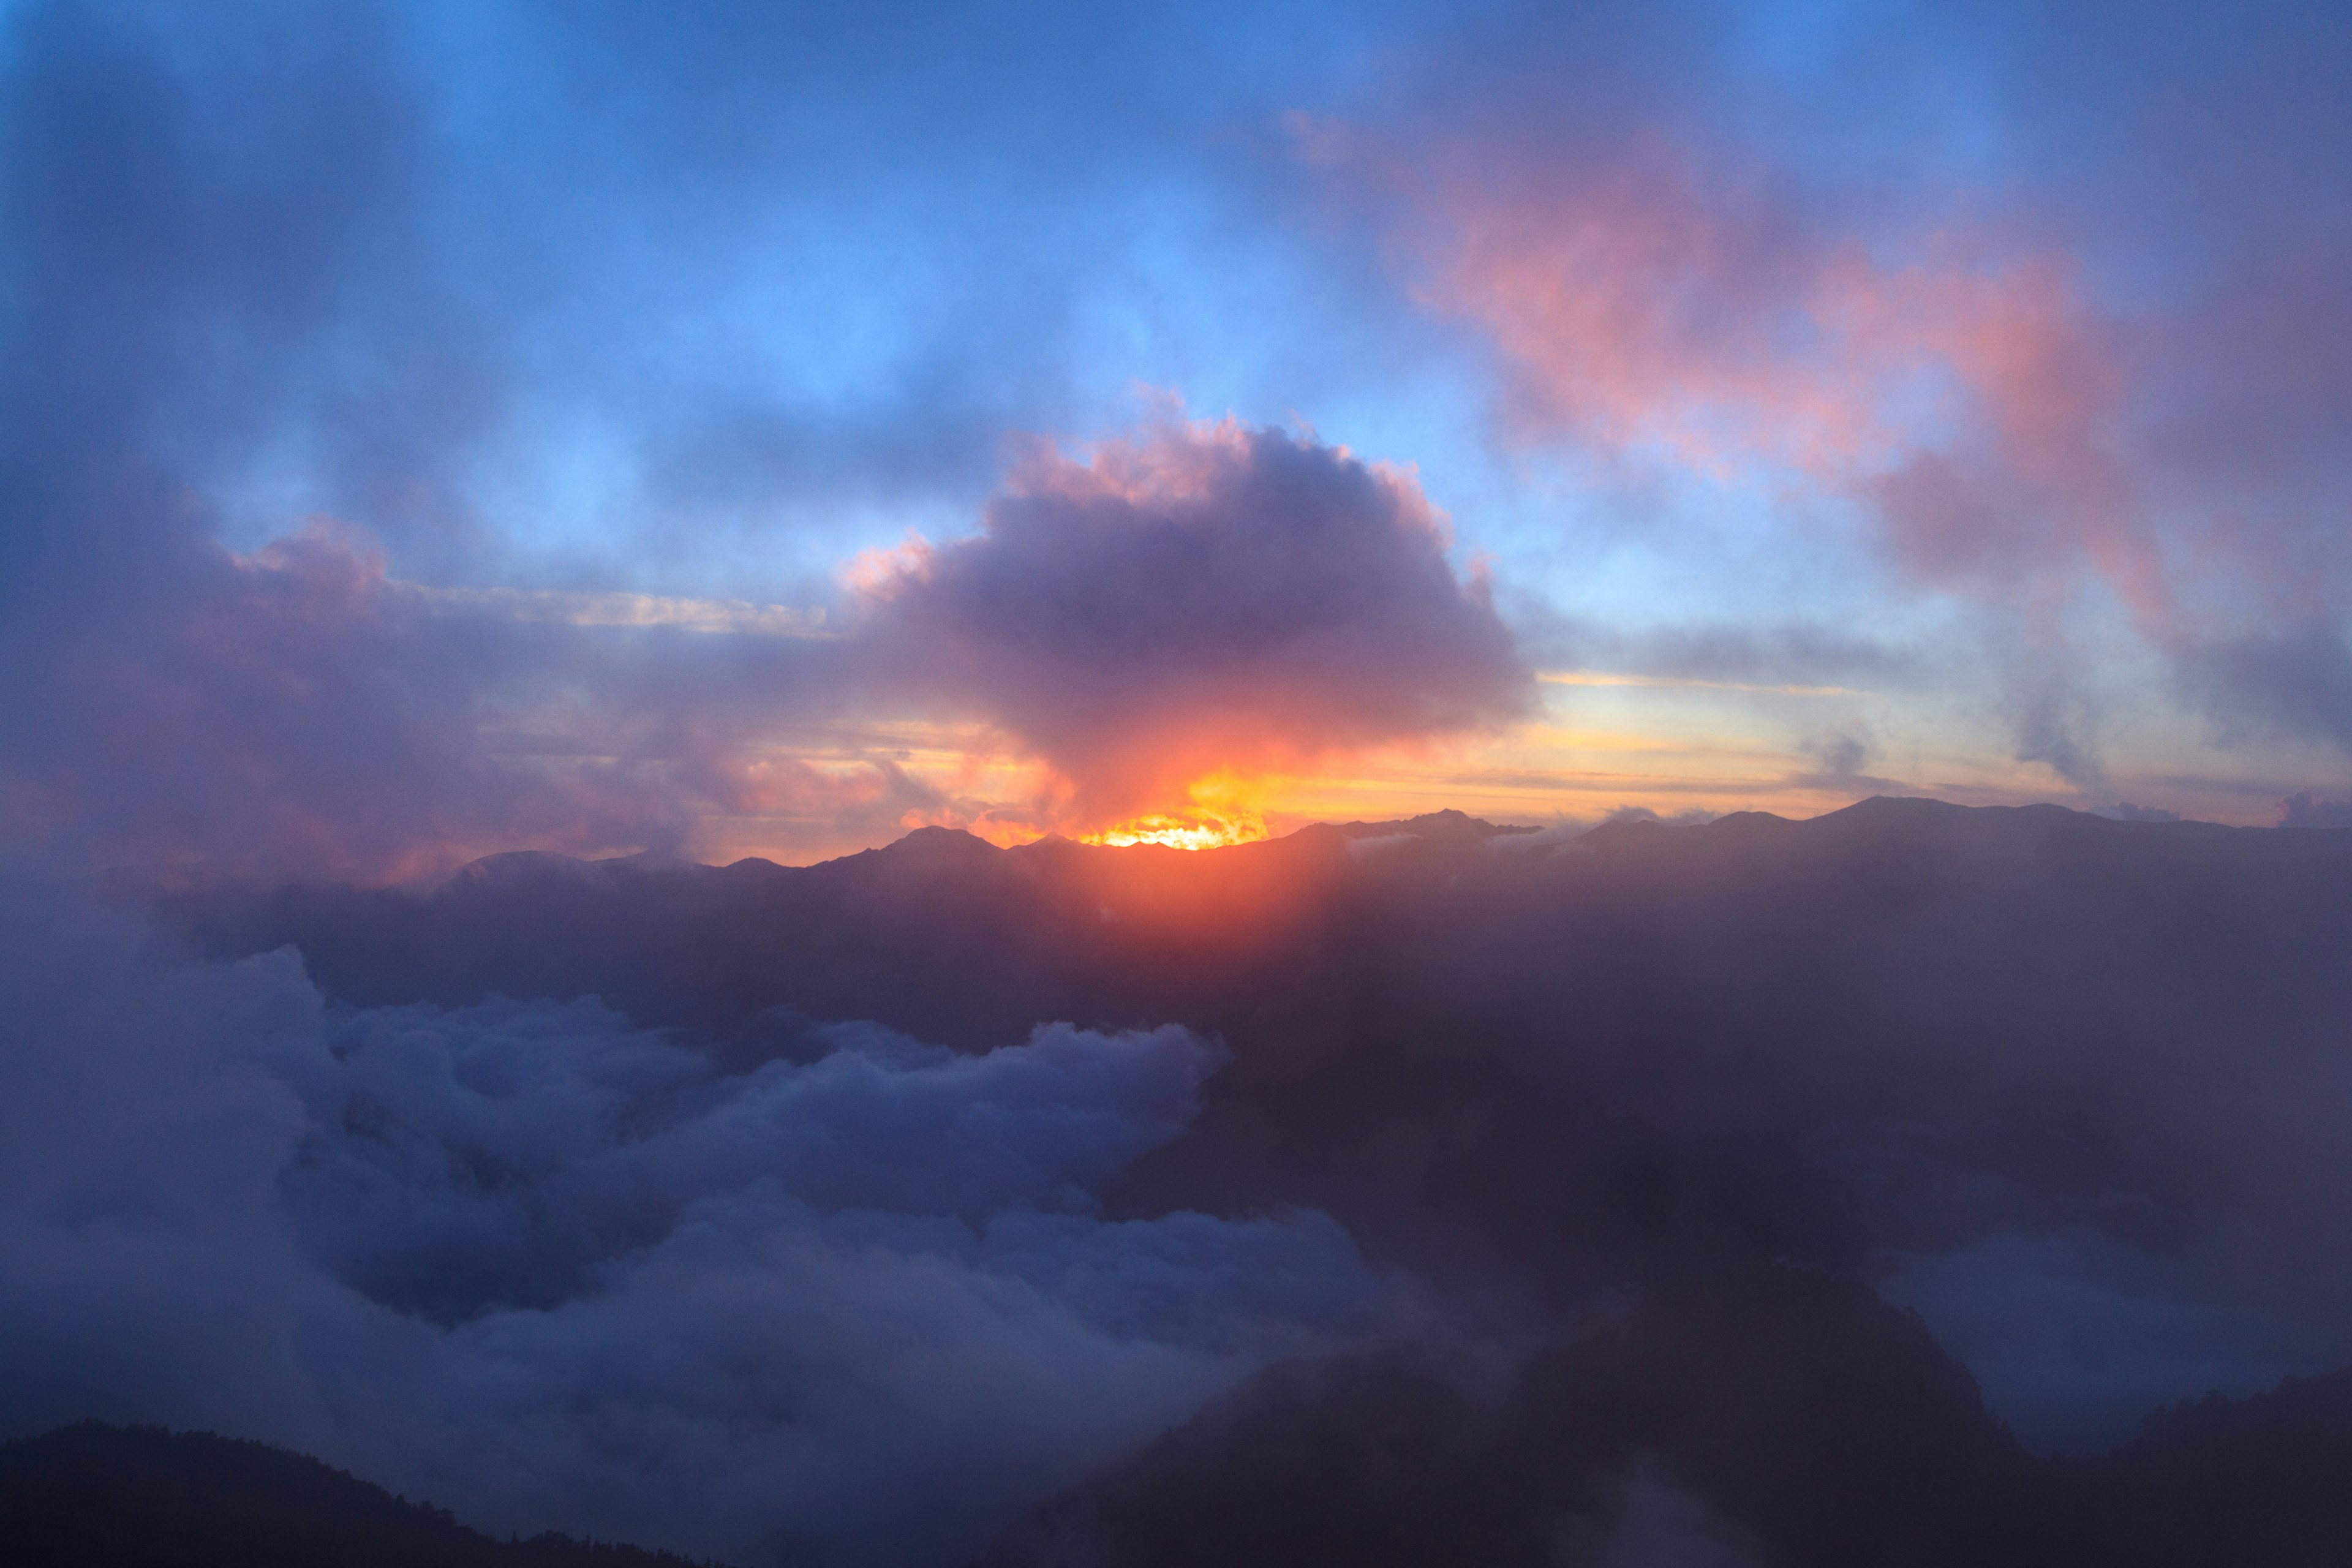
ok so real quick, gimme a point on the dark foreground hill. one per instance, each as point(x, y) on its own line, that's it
point(94, 1496)
point(1765, 1418)
point(1773, 1417)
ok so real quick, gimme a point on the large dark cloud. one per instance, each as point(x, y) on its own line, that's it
point(1200, 600)
point(546, 1268)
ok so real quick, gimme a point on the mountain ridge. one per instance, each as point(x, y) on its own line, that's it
point(98, 1496)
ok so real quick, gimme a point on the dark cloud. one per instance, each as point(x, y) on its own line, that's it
point(543, 1267)
point(2295, 683)
point(517, 296)
point(1843, 753)
point(2055, 725)
point(1201, 599)
point(296, 713)
point(1799, 654)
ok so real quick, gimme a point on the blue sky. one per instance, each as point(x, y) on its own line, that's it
point(1840, 399)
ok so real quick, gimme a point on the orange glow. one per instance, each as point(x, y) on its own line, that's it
point(1221, 808)
point(1195, 829)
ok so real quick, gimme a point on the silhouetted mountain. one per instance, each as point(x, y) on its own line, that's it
point(2073, 1086)
point(1500, 1056)
point(94, 1496)
point(1763, 1417)
point(2233, 1480)
point(1769, 1417)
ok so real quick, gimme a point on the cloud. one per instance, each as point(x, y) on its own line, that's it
point(560, 366)
point(298, 713)
point(1795, 657)
point(1898, 1030)
point(2295, 683)
point(2125, 811)
point(569, 365)
point(549, 1269)
point(1199, 599)
point(284, 259)
point(225, 297)
point(2080, 358)
point(2054, 726)
point(2302, 810)
point(2074, 1336)
point(1843, 753)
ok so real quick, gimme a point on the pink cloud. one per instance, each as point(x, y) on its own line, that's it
point(1959, 382)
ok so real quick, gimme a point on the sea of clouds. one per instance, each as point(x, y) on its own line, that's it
point(549, 1269)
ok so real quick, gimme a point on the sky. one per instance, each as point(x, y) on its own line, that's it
point(429, 430)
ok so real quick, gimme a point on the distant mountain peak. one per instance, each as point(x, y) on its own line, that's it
point(1448, 825)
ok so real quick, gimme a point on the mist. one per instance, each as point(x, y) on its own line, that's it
point(551, 1269)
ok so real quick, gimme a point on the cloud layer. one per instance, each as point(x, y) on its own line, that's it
point(547, 1269)
point(2067, 1084)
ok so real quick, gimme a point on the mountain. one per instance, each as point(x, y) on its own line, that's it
point(2223, 1480)
point(1674, 1104)
point(1757, 1417)
point(1506, 1059)
point(1772, 1416)
point(94, 1496)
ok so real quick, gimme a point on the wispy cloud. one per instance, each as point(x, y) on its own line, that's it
point(547, 607)
point(1678, 682)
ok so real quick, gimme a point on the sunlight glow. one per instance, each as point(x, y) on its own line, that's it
point(1195, 829)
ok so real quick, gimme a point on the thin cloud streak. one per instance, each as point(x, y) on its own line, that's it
point(1672, 682)
point(548, 606)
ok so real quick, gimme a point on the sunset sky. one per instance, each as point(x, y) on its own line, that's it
point(739, 430)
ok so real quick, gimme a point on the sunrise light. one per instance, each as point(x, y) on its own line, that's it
point(1195, 829)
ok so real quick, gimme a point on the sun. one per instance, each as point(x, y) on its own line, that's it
point(1187, 830)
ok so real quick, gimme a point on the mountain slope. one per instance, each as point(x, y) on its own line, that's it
point(1762, 1418)
point(94, 1496)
